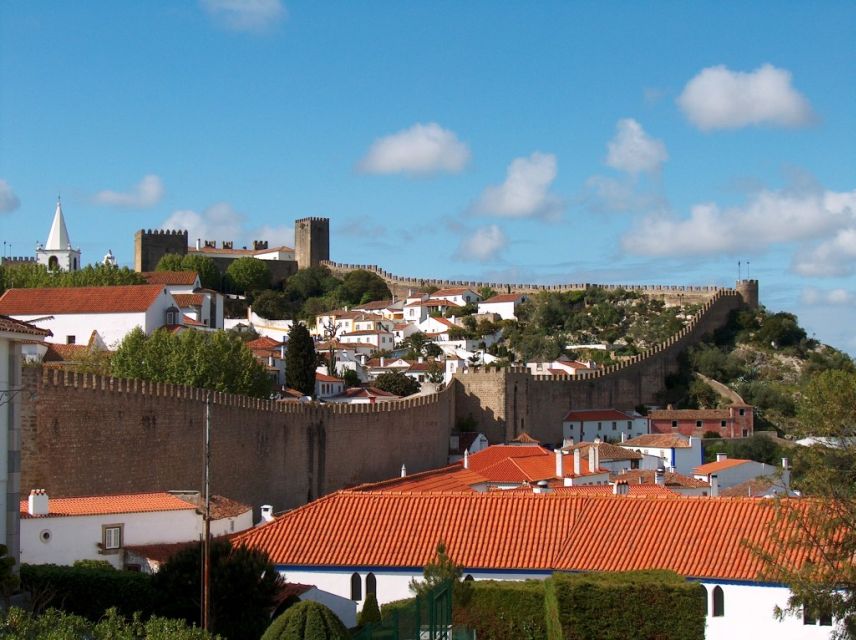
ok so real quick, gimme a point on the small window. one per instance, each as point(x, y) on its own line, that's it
point(614, 426)
point(70, 339)
point(808, 617)
point(718, 602)
point(469, 578)
point(743, 412)
point(722, 424)
point(674, 424)
point(356, 587)
point(629, 424)
point(698, 423)
point(598, 426)
point(371, 584)
point(111, 537)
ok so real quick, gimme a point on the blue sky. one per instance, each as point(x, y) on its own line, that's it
point(607, 142)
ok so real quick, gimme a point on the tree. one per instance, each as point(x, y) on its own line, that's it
point(30, 275)
point(780, 330)
point(351, 378)
point(219, 361)
point(307, 620)
point(442, 569)
point(244, 584)
point(203, 266)
point(300, 360)
point(397, 383)
point(821, 527)
point(361, 286)
point(246, 275)
point(9, 581)
point(370, 613)
point(272, 305)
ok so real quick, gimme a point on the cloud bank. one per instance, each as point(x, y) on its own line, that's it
point(525, 192)
point(718, 98)
point(421, 149)
point(634, 151)
point(484, 244)
point(146, 193)
point(8, 200)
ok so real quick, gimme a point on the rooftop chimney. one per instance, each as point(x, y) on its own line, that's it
point(592, 459)
point(620, 488)
point(382, 361)
point(267, 513)
point(560, 467)
point(623, 437)
point(198, 243)
point(38, 503)
point(403, 471)
point(714, 485)
point(721, 456)
point(578, 464)
point(567, 443)
point(542, 487)
point(660, 476)
point(466, 459)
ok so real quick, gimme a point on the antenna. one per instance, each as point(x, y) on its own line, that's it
point(747, 270)
point(739, 271)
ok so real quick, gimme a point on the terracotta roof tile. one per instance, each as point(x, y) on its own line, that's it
point(65, 352)
point(689, 414)
point(100, 505)
point(503, 297)
point(322, 377)
point(659, 440)
point(607, 451)
point(719, 465)
point(61, 300)
point(188, 299)
point(647, 476)
point(588, 415)
point(11, 325)
point(170, 277)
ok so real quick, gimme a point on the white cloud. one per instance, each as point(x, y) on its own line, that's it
point(421, 149)
point(835, 257)
point(8, 200)
point(770, 217)
point(245, 15)
point(718, 98)
point(484, 245)
point(830, 297)
point(146, 193)
point(634, 151)
point(602, 194)
point(218, 222)
point(525, 192)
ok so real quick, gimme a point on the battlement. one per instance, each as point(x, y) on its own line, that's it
point(313, 219)
point(154, 233)
point(17, 260)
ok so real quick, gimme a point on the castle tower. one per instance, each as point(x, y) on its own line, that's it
point(57, 254)
point(311, 241)
point(152, 245)
point(748, 290)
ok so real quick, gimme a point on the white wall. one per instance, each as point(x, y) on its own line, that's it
point(224, 526)
point(111, 326)
point(683, 459)
point(344, 608)
point(732, 476)
point(77, 537)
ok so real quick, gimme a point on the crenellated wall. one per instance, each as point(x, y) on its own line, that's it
point(401, 285)
point(84, 435)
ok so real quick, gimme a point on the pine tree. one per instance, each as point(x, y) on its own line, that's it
point(300, 360)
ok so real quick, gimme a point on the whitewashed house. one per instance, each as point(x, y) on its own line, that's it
point(380, 339)
point(461, 296)
point(504, 305)
point(72, 313)
point(674, 452)
point(612, 424)
point(730, 472)
point(203, 305)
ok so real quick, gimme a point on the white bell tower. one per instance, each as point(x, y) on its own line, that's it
point(57, 254)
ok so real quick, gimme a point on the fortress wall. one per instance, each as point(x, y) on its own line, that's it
point(401, 285)
point(85, 435)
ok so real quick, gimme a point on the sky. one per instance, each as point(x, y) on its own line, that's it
point(550, 142)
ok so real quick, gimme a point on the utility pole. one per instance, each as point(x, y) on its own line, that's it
point(206, 539)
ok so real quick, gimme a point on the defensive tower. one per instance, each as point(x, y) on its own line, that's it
point(748, 290)
point(311, 241)
point(151, 245)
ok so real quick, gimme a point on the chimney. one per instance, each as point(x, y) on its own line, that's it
point(403, 471)
point(594, 457)
point(420, 359)
point(198, 243)
point(382, 361)
point(786, 475)
point(560, 467)
point(623, 437)
point(721, 456)
point(38, 503)
point(620, 488)
point(714, 485)
point(466, 459)
point(660, 476)
point(578, 465)
point(567, 443)
point(267, 513)
point(542, 487)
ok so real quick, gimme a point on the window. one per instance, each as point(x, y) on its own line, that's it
point(722, 424)
point(356, 587)
point(674, 424)
point(698, 423)
point(598, 426)
point(718, 602)
point(469, 578)
point(371, 584)
point(743, 412)
point(111, 537)
point(614, 426)
point(813, 617)
point(705, 598)
point(70, 339)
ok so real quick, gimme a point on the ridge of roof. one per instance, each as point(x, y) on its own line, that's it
point(70, 300)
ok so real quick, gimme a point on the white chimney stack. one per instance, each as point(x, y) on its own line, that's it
point(592, 459)
point(38, 503)
point(714, 486)
point(623, 437)
point(403, 471)
point(542, 487)
point(660, 476)
point(620, 488)
point(466, 459)
point(198, 243)
point(560, 467)
point(721, 456)
point(578, 465)
point(267, 513)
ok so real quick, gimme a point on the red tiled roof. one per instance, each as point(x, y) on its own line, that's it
point(368, 392)
point(11, 325)
point(190, 322)
point(503, 297)
point(606, 489)
point(377, 304)
point(695, 537)
point(322, 377)
point(607, 451)
point(433, 303)
point(65, 352)
point(454, 291)
point(188, 299)
point(264, 342)
point(61, 300)
point(659, 440)
point(689, 414)
point(499, 452)
point(159, 553)
point(588, 415)
point(102, 505)
point(365, 332)
point(170, 277)
point(453, 478)
point(647, 477)
point(719, 465)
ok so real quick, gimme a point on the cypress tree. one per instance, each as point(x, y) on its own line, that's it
point(300, 360)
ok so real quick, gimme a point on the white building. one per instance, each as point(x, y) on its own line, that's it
point(588, 424)
point(673, 451)
point(203, 305)
point(504, 305)
point(733, 471)
point(72, 313)
point(354, 542)
point(57, 253)
point(64, 530)
point(459, 295)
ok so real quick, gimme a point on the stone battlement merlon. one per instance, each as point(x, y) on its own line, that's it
point(162, 232)
point(313, 219)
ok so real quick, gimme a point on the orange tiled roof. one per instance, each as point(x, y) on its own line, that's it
point(499, 452)
point(188, 299)
point(170, 277)
point(607, 451)
point(65, 352)
point(454, 291)
point(719, 465)
point(190, 322)
point(11, 325)
point(453, 478)
point(646, 477)
point(264, 342)
point(503, 297)
point(103, 505)
point(322, 377)
point(659, 440)
point(58, 300)
point(689, 414)
point(588, 415)
point(696, 537)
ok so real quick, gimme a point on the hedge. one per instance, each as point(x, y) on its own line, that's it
point(307, 620)
point(645, 605)
point(500, 610)
point(87, 591)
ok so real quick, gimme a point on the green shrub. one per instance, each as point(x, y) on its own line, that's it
point(499, 610)
point(646, 605)
point(388, 610)
point(370, 613)
point(89, 592)
point(307, 621)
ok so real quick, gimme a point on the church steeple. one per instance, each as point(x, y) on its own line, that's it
point(58, 239)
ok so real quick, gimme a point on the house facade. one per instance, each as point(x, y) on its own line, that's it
point(733, 421)
point(612, 424)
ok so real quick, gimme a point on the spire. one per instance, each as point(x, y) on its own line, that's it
point(58, 237)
